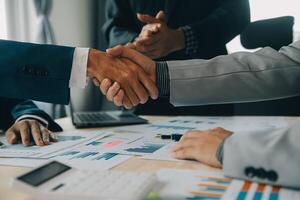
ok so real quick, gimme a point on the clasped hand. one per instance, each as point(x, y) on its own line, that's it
point(157, 39)
point(124, 75)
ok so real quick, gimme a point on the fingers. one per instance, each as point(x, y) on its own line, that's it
point(147, 45)
point(45, 135)
point(147, 19)
point(105, 85)
point(150, 30)
point(130, 45)
point(131, 54)
point(12, 136)
point(112, 91)
point(141, 93)
point(146, 63)
point(132, 96)
point(160, 15)
point(96, 82)
point(185, 143)
point(24, 129)
point(37, 134)
point(27, 130)
point(53, 136)
point(126, 102)
point(185, 153)
point(116, 51)
point(118, 99)
point(149, 85)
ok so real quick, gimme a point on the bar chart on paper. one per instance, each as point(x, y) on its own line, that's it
point(210, 188)
point(194, 185)
point(62, 138)
point(145, 148)
point(94, 150)
point(245, 190)
point(91, 160)
point(66, 140)
point(183, 124)
point(111, 142)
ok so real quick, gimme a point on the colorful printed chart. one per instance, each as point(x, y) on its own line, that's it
point(200, 185)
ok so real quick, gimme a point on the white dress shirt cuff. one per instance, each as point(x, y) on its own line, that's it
point(78, 77)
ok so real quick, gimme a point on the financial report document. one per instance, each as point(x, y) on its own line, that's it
point(106, 149)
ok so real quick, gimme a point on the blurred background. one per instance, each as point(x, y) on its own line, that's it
point(78, 23)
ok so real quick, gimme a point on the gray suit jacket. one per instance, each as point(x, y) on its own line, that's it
point(271, 157)
point(266, 156)
point(240, 77)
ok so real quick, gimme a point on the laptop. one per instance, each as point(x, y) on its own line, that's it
point(104, 118)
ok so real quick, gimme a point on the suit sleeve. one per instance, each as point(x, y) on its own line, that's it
point(29, 108)
point(119, 27)
point(240, 77)
point(33, 71)
point(265, 156)
point(227, 21)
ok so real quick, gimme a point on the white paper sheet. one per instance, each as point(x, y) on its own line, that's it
point(191, 184)
point(108, 161)
point(182, 184)
point(163, 154)
point(66, 140)
point(96, 150)
point(235, 124)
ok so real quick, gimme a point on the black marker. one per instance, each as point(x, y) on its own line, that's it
point(175, 137)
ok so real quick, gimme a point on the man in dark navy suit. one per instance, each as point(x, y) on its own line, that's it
point(24, 122)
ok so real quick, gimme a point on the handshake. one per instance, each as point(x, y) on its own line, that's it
point(124, 75)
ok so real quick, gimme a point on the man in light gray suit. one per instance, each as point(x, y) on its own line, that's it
point(271, 157)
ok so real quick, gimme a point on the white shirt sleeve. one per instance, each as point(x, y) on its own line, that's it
point(78, 77)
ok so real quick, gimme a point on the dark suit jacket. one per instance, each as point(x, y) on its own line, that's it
point(34, 71)
point(215, 23)
point(12, 109)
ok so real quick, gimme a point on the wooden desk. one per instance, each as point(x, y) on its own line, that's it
point(134, 164)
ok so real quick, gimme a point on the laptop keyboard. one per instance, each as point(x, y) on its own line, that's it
point(94, 117)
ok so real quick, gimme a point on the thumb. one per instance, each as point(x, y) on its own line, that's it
point(131, 54)
point(115, 51)
point(161, 16)
point(147, 19)
point(130, 45)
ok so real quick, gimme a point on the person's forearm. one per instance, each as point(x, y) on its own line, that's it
point(263, 75)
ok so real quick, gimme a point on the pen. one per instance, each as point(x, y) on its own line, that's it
point(175, 137)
